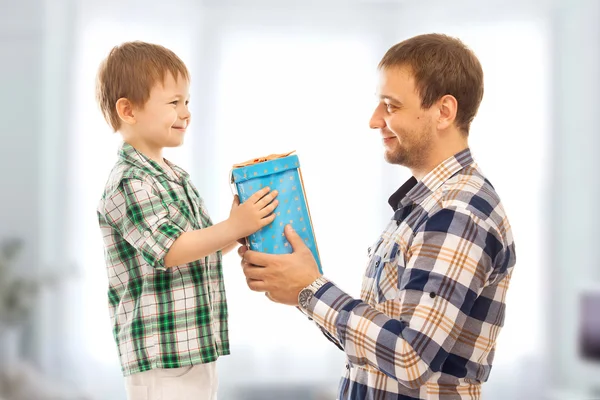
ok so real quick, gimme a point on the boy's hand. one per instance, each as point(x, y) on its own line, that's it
point(236, 203)
point(255, 213)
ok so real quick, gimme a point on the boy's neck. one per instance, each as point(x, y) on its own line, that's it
point(153, 153)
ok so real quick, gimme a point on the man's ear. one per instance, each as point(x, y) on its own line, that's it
point(448, 107)
point(125, 111)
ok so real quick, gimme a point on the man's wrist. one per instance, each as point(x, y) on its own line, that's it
point(317, 283)
point(305, 296)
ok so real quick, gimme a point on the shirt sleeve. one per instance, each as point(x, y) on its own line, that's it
point(143, 219)
point(448, 264)
point(325, 333)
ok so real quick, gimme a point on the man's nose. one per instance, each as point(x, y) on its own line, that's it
point(377, 121)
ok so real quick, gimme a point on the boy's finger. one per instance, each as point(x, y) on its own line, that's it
point(260, 194)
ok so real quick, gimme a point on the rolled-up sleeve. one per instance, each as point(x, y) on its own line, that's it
point(143, 219)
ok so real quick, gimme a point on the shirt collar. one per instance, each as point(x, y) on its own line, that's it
point(415, 192)
point(130, 155)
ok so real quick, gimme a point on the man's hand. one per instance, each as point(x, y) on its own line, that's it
point(282, 276)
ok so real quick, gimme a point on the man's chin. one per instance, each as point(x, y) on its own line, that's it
point(395, 159)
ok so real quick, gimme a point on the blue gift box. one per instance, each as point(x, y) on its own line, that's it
point(281, 173)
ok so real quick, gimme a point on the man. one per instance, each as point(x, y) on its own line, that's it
point(432, 299)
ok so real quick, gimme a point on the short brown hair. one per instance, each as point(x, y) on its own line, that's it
point(441, 65)
point(131, 70)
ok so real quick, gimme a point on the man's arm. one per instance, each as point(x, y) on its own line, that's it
point(450, 259)
point(327, 335)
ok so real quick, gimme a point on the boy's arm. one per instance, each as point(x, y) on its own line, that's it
point(193, 245)
point(157, 231)
point(230, 247)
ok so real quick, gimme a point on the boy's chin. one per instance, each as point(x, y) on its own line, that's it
point(174, 143)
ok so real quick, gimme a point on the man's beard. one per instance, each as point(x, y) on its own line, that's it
point(411, 153)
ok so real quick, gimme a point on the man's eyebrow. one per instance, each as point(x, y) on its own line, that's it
point(389, 98)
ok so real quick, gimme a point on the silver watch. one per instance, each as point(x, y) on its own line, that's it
point(306, 294)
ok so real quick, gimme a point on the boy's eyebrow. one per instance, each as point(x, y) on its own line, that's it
point(181, 96)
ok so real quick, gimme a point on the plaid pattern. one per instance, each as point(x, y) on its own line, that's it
point(433, 295)
point(162, 318)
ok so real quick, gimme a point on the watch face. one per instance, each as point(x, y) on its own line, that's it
point(304, 297)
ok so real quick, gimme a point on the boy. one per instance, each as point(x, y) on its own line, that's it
point(163, 254)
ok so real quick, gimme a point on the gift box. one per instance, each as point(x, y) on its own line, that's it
point(279, 172)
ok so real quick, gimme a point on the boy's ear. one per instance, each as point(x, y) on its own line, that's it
point(125, 111)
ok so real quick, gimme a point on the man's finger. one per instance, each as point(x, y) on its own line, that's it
point(242, 250)
point(256, 285)
point(253, 272)
point(257, 258)
point(294, 239)
point(269, 297)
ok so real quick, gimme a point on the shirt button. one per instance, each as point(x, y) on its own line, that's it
point(377, 263)
point(147, 234)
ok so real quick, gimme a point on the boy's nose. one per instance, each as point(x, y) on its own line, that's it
point(185, 114)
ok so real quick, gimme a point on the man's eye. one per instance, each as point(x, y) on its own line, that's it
point(174, 102)
point(390, 107)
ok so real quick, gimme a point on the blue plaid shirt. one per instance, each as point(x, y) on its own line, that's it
point(433, 295)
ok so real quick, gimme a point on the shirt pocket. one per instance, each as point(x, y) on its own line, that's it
point(373, 259)
point(388, 268)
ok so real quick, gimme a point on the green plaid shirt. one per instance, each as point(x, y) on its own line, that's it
point(162, 318)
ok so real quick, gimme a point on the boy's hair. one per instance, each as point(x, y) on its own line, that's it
point(441, 65)
point(131, 70)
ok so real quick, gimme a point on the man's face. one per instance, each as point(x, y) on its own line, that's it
point(163, 120)
point(407, 130)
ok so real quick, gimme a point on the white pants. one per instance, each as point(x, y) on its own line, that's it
point(197, 382)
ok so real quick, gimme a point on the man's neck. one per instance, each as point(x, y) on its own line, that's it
point(437, 156)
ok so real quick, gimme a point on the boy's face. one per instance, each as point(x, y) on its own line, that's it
point(164, 118)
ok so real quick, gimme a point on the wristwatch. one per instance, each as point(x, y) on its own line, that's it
point(306, 294)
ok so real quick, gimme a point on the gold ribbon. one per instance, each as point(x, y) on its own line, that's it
point(262, 159)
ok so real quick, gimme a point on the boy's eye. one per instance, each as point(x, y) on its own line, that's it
point(177, 102)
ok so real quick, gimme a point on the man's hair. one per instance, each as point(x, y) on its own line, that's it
point(131, 70)
point(441, 65)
